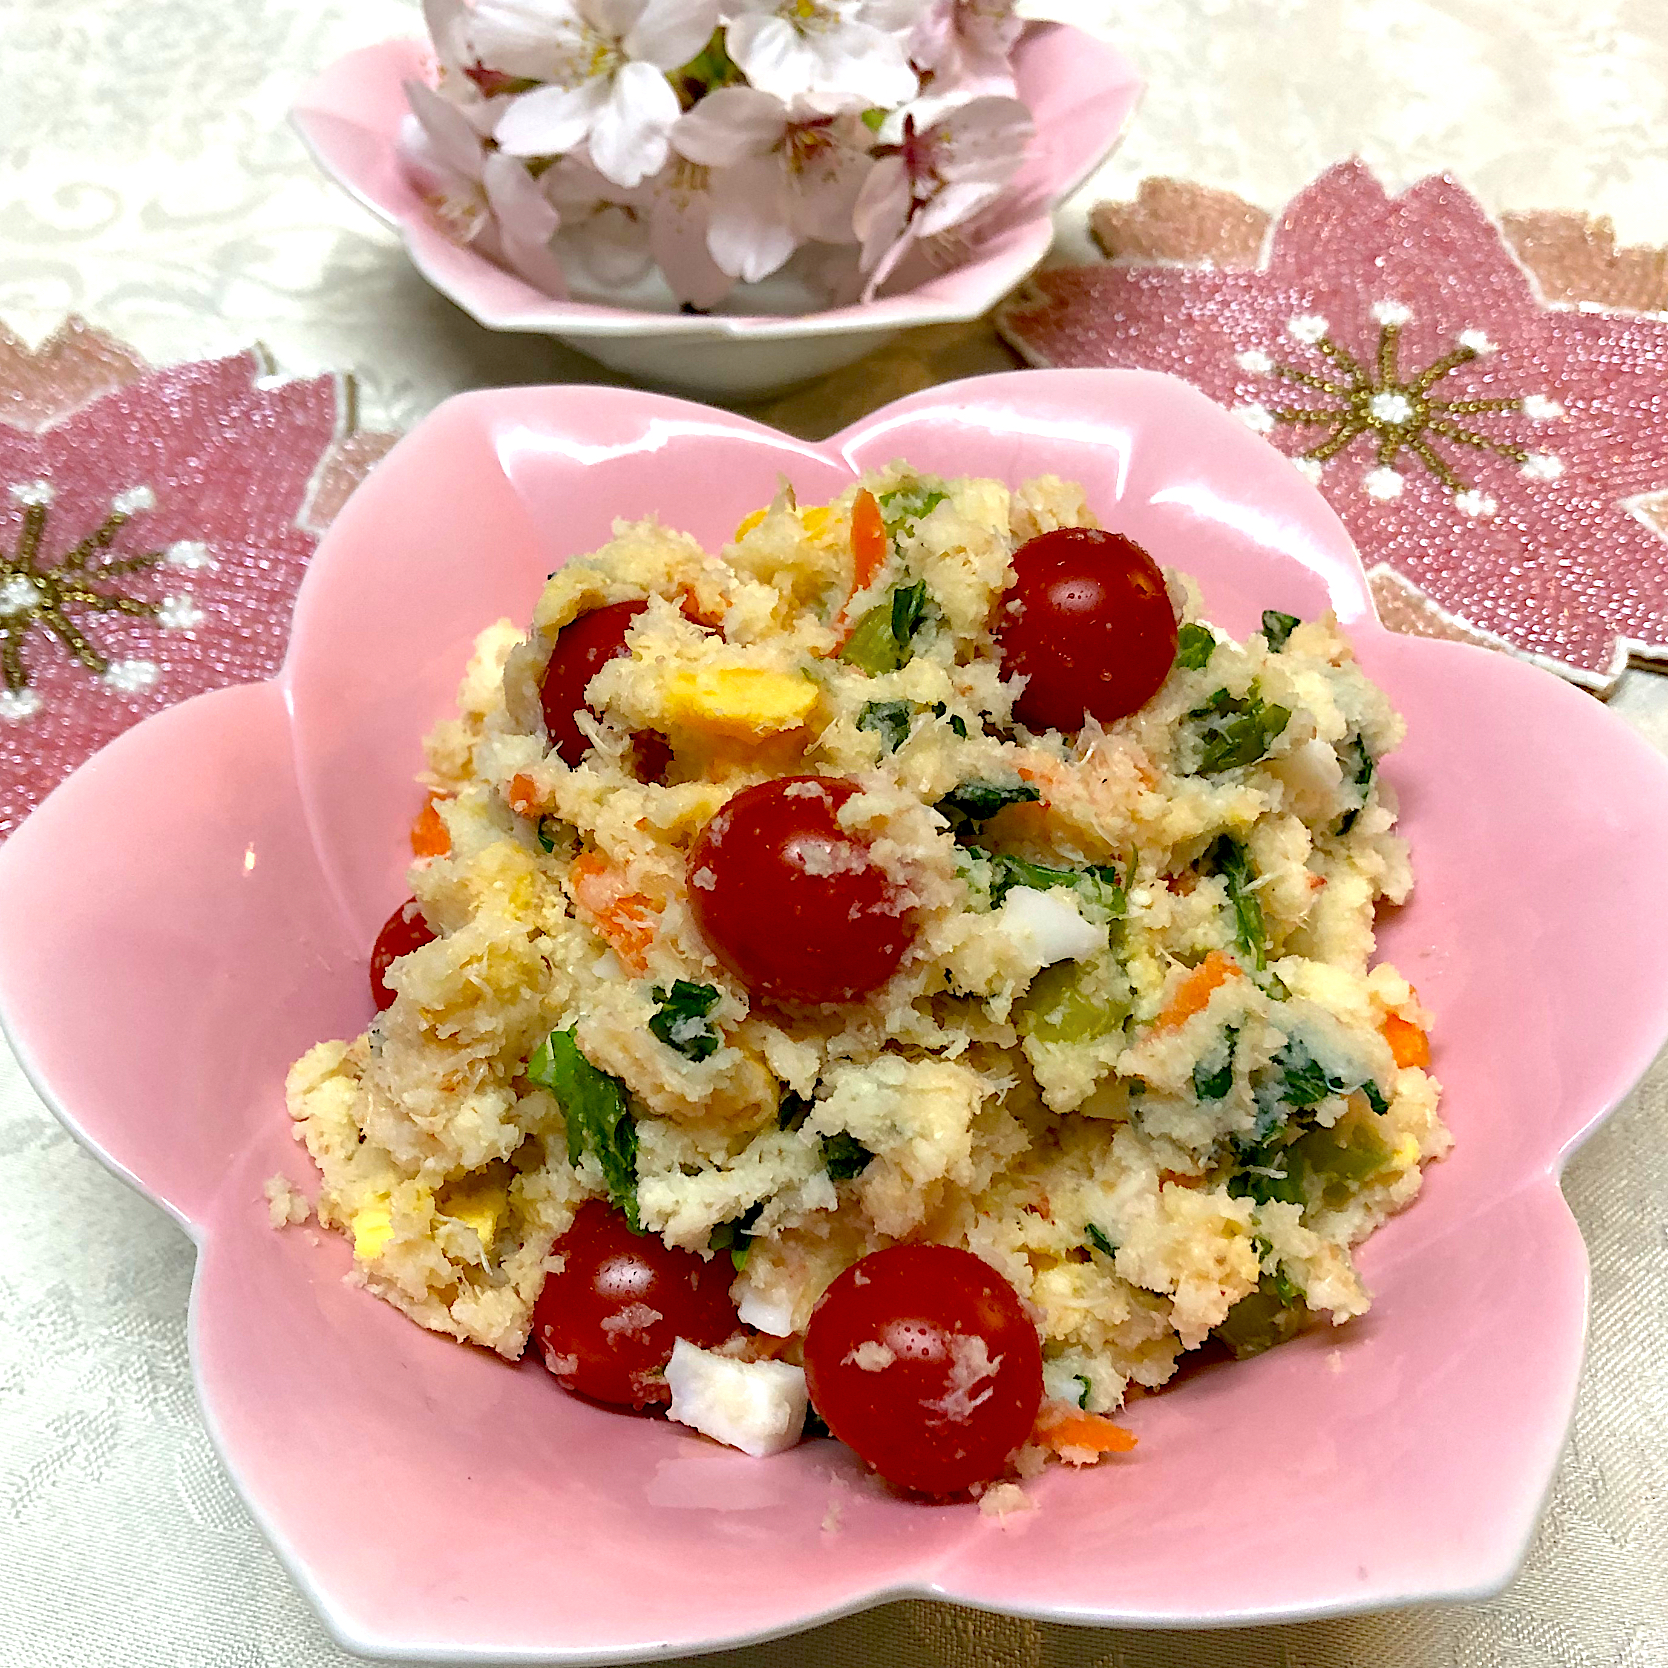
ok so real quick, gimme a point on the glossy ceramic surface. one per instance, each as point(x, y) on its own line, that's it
point(193, 908)
point(1080, 90)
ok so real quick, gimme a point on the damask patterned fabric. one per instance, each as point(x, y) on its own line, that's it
point(147, 181)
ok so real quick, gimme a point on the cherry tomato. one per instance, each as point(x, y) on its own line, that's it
point(404, 931)
point(1089, 623)
point(793, 905)
point(607, 1322)
point(583, 647)
point(651, 755)
point(921, 1359)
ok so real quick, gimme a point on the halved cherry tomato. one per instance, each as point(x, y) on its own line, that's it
point(1089, 623)
point(404, 931)
point(583, 647)
point(605, 1324)
point(795, 906)
point(921, 1358)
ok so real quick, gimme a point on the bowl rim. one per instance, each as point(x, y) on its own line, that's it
point(455, 270)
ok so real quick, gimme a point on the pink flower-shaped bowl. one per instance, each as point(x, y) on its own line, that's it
point(193, 908)
point(1081, 92)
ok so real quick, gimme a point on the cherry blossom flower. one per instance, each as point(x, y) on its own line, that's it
point(850, 50)
point(679, 204)
point(601, 65)
point(785, 174)
point(480, 196)
point(940, 163)
point(967, 42)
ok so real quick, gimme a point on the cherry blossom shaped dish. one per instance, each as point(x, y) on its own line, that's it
point(439, 1504)
point(1081, 92)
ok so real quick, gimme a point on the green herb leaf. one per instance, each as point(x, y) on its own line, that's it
point(958, 724)
point(1194, 646)
point(1277, 627)
point(594, 1105)
point(1083, 1394)
point(1099, 1239)
point(881, 641)
point(971, 804)
point(546, 832)
point(736, 1236)
point(1229, 858)
point(1359, 767)
point(1096, 883)
point(909, 609)
point(1235, 730)
point(681, 1021)
point(903, 506)
point(1375, 1097)
point(1214, 1085)
point(889, 720)
point(844, 1156)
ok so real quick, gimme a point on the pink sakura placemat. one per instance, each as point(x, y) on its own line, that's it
point(1484, 402)
point(154, 526)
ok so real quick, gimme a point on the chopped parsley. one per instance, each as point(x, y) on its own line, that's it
point(889, 720)
point(1096, 883)
point(883, 638)
point(1214, 1083)
point(1228, 858)
point(1083, 1394)
point(681, 1021)
point(903, 506)
point(736, 1237)
point(1099, 1239)
point(844, 1156)
point(958, 724)
point(972, 804)
point(1235, 730)
point(1358, 766)
point(545, 828)
point(599, 1123)
point(1194, 646)
point(1277, 627)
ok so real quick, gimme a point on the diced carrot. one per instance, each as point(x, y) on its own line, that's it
point(868, 541)
point(1091, 1433)
point(625, 919)
point(1408, 1043)
point(1195, 990)
point(428, 833)
point(524, 796)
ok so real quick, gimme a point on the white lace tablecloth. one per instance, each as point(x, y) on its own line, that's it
point(148, 181)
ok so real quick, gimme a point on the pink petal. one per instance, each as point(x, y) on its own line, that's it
point(537, 38)
point(678, 242)
point(882, 208)
point(671, 32)
point(613, 18)
point(611, 245)
point(456, 144)
point(520, 207)
point(748, 234)
point(823, 197)
point(954, 203)
point(726, 126)
point(550, 120)
point(772, 54)
point(863, 63)
point(629, 135)
point(984, 139)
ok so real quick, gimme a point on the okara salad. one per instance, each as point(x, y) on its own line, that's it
point(906, 972)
